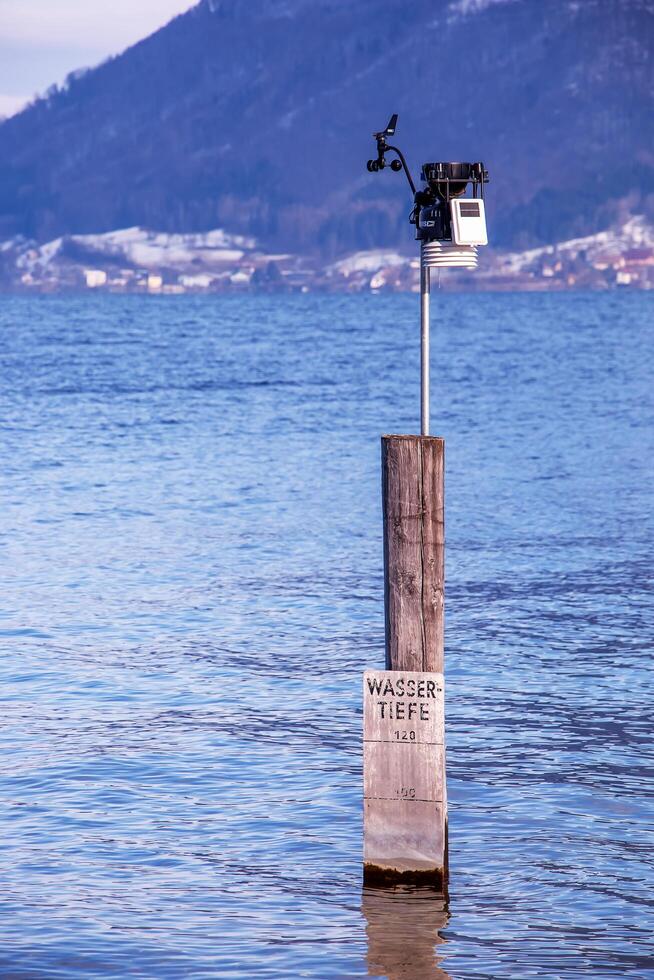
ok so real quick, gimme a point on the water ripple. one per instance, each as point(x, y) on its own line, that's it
point(192, 587)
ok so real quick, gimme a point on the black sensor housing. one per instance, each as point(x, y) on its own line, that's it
point(444, 181)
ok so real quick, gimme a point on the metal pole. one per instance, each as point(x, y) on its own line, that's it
point(424, 348)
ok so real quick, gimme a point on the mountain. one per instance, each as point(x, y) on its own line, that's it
point(256, 116)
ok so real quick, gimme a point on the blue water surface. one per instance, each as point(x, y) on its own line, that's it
point(192, 586)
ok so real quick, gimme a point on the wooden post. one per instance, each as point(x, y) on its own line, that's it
point(414, 551)
point(405, 798)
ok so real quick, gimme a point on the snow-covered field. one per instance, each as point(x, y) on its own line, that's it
point(140, 258)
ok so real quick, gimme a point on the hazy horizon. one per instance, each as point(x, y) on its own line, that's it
point(40, 43)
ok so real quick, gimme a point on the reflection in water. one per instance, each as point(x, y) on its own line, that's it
point(403, 931)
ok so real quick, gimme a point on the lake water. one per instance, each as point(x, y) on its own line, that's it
point(192, 587)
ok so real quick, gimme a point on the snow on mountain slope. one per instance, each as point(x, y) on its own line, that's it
point(139, 248)
point(256, 118)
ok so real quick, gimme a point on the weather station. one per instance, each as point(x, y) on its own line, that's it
point(405, 795)
point(449, 226)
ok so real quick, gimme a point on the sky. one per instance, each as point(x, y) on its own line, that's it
point(42, 40)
